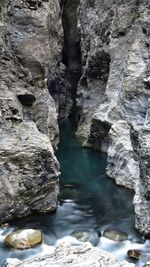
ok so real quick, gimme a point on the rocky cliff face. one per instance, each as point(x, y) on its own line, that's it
point(30, 47)
point(114, 92)
point(113, 96)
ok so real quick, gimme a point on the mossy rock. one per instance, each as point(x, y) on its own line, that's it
point(23, 239)
point(115, 235)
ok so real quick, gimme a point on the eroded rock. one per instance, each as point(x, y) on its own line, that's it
point(29, 168)
point(114, 87)
point(121, 165)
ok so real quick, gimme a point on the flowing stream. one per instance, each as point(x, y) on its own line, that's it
point(88, 202)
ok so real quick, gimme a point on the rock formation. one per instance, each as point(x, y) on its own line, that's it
point(113, 93)
point(67, 256)
point(30, 47)
point(38, 61)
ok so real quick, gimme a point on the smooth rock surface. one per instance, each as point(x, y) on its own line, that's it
point(23, 239)
point(115, 235)
point(67, 256)
point(134, 253)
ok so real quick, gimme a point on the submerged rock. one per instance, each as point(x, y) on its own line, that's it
point(72, 256)
point(115, 235)
point(90, 236)
point(23, 239)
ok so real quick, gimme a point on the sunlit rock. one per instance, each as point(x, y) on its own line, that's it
point(23, 239)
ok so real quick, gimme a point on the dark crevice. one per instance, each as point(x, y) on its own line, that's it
point(71, 56)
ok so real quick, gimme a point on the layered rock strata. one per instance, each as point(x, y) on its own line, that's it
point(30, 45)
point(113, 92)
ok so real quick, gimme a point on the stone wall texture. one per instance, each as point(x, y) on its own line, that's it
point(31, 39)
point(114, 92)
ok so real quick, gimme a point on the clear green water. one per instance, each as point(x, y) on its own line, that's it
point(88, 201)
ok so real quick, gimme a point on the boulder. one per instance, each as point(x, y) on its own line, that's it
point(134, 253)
point(72, 256)
point(115, 235)
point(23, 239)
point(87, 236)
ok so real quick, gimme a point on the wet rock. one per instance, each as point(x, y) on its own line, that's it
point(72, 256)
point(115, 235)
point(90, 236)
point(134, 253)
point(23, 239)
point(5, 225)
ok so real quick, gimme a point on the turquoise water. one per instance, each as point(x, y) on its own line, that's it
point(88, 201)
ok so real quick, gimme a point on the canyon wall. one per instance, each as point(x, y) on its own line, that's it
point(31, 39)
point(105, 44)
point(113, 94)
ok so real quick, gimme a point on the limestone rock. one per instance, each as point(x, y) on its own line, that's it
point(29, 179)
point(30, 44)
point(114, 87)
point(23, 239)
point(142, 196)
point(121, 165)
point(67, 256)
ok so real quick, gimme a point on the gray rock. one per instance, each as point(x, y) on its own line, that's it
point(28, 118)
point(114, 86)
point(77, 256)
point(142, 196)
point(121, 165)
point(29, 172)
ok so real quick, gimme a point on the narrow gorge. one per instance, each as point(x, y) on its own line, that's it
point(74, 112)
